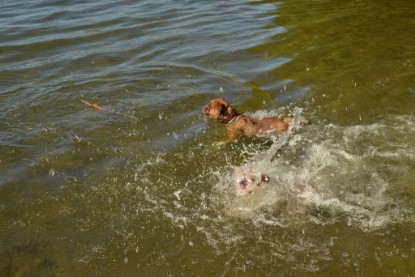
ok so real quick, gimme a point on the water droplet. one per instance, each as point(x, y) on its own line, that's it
point(52, 172)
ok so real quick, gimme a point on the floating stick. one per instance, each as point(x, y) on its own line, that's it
point(97, 107)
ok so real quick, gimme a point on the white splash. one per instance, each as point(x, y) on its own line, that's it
point(322, 175)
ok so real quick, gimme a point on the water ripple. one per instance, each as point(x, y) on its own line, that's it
point(49, 40)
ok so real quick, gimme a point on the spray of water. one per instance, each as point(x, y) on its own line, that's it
point(319, 175)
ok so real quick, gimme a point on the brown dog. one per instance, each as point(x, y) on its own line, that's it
point(238, 124)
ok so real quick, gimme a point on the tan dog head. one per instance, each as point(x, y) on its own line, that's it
point(246, 184)
point(220, 109)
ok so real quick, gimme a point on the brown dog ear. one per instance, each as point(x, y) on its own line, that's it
point(224, 110)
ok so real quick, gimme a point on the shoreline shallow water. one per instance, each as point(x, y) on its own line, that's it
point(92, 193)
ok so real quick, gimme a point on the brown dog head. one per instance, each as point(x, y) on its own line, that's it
point(221, 110)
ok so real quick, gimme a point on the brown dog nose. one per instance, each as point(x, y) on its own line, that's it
point(206, 109)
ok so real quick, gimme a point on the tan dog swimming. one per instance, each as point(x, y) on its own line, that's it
point(247, 184)
point(238, 124)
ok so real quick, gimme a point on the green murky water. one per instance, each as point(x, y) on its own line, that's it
point(90, 193)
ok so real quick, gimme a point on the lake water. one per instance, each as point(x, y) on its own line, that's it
point(85, 192)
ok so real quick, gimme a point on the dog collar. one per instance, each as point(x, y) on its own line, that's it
point(230, 118)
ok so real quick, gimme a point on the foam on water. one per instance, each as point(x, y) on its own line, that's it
point(324, 174)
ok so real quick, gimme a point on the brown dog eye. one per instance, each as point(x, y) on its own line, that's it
point(265, 178)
